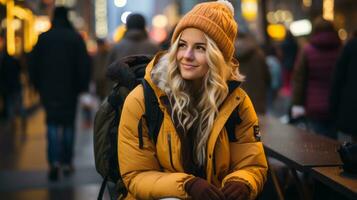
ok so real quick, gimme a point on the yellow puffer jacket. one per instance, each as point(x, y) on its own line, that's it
point(155, 172)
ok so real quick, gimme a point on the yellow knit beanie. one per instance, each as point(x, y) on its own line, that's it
point(216, 20)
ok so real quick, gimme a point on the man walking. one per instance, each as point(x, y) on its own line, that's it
point(60, 71)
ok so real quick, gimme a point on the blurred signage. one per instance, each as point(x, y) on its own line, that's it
point(101, 22)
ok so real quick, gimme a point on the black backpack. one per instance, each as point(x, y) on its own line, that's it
point(127, 73)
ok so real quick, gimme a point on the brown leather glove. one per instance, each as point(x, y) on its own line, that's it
point(199, 189)
point(235, 190)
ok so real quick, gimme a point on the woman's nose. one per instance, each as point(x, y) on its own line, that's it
point(188, 53)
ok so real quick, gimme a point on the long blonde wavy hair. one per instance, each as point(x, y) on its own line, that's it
point(196, 109)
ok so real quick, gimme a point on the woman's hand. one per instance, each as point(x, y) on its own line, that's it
point(235, 190)
point(199, 188)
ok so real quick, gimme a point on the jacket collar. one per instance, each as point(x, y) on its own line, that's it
point(158, 92)
point(136, 35)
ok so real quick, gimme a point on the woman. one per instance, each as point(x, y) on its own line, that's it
point(193, 156)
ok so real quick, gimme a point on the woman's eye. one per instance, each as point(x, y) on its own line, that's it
point(202, 48)
point(180, 45)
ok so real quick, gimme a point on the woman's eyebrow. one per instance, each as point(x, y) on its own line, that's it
point(197, 43)
point(200, 43)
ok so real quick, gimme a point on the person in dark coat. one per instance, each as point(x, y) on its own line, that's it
point(312, 78)
point(343, 99)
point(10, 84)
point(135, 40)
point(253, 66)
point(99, 69)
point(60, 71)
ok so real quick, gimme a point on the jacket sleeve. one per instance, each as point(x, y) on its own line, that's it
point(140, 168)
point(247, 158)
point(299, 79)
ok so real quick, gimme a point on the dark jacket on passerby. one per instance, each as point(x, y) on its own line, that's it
point(312, 77)
point(289, 49)
point(60, 70)
point(100, 59)
point(135, 40)
point(253, 66)
point(9, 74)
point(343, 95)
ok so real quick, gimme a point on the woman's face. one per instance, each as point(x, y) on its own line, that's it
point(191, 55)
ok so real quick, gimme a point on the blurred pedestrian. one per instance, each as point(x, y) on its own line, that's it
point(135, 40)
point(165, 45)
point(274, 66)
point(288, 53)
point(100, 59)
point(196, 83)
point(343, 99)
point(253, 66)
point(60, 71)
point(312, 77)
point(10, 83)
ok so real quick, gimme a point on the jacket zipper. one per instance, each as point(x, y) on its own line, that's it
point(170, 151)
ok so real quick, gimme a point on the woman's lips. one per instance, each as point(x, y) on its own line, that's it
point(188, 66)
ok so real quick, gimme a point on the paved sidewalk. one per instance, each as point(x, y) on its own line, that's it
point(23, 165)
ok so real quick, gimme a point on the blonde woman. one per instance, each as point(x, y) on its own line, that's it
point(194, 155)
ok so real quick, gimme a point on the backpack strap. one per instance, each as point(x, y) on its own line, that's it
point(153, 115)
point(102, 188)
point(234, 118)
